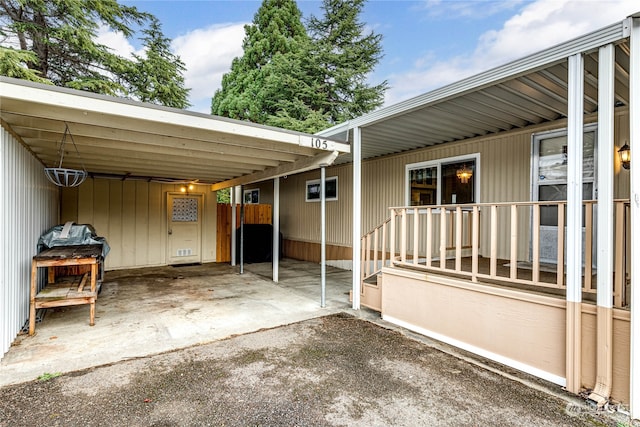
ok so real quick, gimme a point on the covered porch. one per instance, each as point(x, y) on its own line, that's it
point(423, 270)
point(527, 267)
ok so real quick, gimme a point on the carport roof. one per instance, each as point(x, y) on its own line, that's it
point(127, 139)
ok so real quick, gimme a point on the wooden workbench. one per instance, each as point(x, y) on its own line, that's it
point(73, 293)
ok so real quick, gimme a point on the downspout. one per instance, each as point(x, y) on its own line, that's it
point(604, 338)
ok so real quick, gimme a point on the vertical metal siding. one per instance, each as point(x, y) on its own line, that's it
point(29, 207)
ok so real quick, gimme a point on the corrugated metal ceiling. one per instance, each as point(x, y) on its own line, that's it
point(483, 106)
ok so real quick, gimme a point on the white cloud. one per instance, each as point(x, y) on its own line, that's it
point(538, 25)
point(207, 54)
point(471, 9)
point(116, 41)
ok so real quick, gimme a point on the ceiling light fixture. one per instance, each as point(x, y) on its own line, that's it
point(464, 174)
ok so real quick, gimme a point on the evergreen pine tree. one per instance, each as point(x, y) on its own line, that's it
point(345, 57)
point(157, 77)
point(273, 82)
point(55, 41)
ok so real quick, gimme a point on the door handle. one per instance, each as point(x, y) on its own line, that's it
point(170, 231)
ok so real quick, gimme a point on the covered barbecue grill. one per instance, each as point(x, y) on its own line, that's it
point(70, 234)
point(74, 258)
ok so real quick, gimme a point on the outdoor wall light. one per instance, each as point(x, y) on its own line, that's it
point(625, 156)
point(464, 174)
point(186, 188)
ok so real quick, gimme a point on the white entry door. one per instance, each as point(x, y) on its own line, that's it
point(549, 179)
point(184, 228)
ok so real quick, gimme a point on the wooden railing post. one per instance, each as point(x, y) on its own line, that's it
point(458, 239)
point(392, 236)
point(493, 232)
point(362, 261)
point(429, 243)
point(416, 241)
point(403, 235)
point(475, 243)
point(513, 270)
point(443, 237)
point(384, 243)
point(535, 244)
point(367, 255)
point(561, 254)
point(376, 245)
point(588, 245)
point(618, 272)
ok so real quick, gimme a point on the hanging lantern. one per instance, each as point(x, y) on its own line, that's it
point(63, 177)
point(625, 156)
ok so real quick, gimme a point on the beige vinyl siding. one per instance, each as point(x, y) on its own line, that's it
point(132, 216)
point(621, 181)
point(29, 207)
point(300, 220)
point(504, 172)
point(383, 186)
point(266, 191)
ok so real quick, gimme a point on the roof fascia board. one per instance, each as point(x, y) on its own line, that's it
point(100, 104)
point(306, 164)
point(610, 34)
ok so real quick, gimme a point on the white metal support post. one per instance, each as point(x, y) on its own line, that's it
point(357, 216)
point(323, 237)
point(606, 148)
point(575, 132)
point(234, 201)
point(634, 143)
point(604, 230)
point(241, 229)
point(275, 219)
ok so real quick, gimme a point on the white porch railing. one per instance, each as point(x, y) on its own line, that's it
point(494, 242)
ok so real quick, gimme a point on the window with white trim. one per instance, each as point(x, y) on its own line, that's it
point(330, 189)
point(453, 180)
point(252, 196)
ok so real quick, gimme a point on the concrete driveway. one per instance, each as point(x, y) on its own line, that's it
point(146, 311)
point(204, 345)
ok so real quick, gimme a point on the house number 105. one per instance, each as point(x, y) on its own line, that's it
point(319, 143)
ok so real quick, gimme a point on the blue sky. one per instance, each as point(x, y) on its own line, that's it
point(427, 44)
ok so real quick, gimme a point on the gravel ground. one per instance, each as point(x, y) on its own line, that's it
point(331, 371)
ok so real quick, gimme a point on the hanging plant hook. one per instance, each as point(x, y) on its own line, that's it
point(63, 177)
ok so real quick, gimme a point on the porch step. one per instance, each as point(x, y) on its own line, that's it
point(374, 279)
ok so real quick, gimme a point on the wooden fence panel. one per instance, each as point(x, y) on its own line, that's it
point(253, 214)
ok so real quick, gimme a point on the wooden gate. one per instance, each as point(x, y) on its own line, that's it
point(253, 214)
